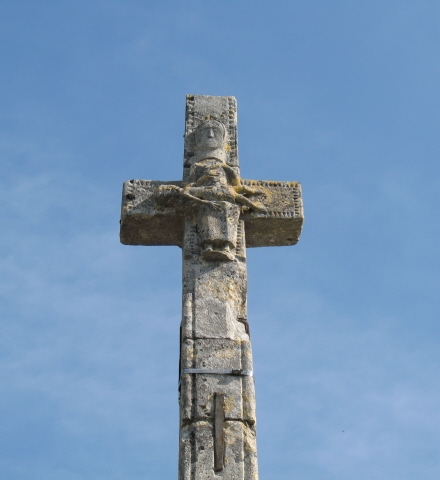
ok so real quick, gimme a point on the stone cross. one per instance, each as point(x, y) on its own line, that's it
point(213, 215)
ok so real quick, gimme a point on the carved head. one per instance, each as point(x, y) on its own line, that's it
point(210, 135)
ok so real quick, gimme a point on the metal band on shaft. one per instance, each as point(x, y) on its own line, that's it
point(218, 371)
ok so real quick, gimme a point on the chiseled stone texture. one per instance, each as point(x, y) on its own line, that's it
point(219, 300)
point(197, 452)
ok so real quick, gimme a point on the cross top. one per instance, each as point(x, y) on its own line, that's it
point(213, 215)
point(203, 113)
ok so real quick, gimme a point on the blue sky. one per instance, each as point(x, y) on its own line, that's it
point(342, 96)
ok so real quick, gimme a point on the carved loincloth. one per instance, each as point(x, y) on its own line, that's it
point(218, 226)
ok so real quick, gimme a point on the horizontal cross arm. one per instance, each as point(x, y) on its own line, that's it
point(143, 221)
point(147, 221)
point(280, 222)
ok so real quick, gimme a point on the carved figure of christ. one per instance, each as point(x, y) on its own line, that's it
point(213, 215)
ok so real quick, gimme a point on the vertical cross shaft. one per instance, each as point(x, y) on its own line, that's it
point(217, 407)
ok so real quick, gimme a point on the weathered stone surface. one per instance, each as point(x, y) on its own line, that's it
point(213, 215)
point(143, 221)
point(220, 300)
point(280, 224)
point(197, 452)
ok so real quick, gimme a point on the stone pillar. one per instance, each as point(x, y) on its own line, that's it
point(215, 336)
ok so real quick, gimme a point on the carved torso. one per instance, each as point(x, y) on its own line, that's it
point(209, 181)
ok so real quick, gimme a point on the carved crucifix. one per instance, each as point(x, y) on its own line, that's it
point(213, 215)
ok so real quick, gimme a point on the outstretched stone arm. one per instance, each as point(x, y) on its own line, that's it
point(248, 203)
point(249, 190)
point(168, 194)
point(188, 195)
